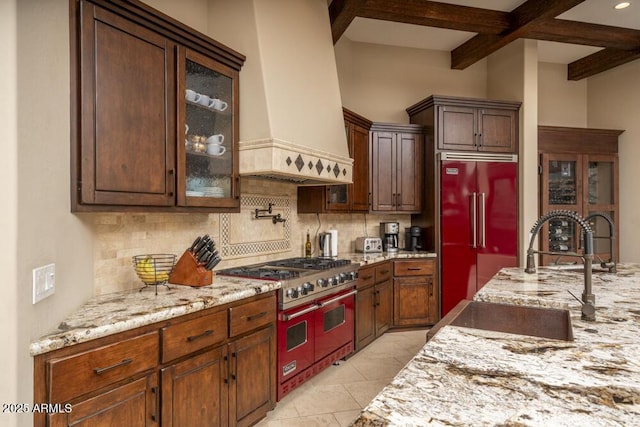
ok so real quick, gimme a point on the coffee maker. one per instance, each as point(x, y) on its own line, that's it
point(389, 233)
point(412, 240)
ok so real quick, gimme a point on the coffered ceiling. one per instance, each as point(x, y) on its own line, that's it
point(588, 35)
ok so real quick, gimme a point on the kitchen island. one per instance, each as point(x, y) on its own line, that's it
point(469, 376)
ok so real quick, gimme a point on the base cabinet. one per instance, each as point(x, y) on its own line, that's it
point(252, 367)
point(133, 404)
point(196, 386)
point(216, 367)
point(415, 293)
point(374, 303)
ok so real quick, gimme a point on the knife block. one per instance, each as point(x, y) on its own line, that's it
point(188, 272)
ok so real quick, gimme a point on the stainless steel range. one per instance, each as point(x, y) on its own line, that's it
point(316, 313)
point(303, 279)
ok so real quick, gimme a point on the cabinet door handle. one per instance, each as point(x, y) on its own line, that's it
point(256, 316)
point(172, 182)
point(398, 199)
point(154, 415)
point(202, 335)
point(430, 287)
point(479, 140)
point(124, 362)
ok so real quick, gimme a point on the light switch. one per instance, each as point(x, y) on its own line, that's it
point(44, 282)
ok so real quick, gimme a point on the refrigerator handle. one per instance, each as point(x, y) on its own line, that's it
point(474, 221)
point(483, 220)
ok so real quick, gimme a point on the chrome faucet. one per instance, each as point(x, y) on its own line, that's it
point(611, 264)
point(588, 298)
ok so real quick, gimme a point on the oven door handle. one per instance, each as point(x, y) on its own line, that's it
point(286, 317)
point(332, 300)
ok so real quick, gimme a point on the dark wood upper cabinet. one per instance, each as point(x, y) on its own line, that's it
point(344, 197)
point(130, 68)
point(396, 163)
point(467, 124)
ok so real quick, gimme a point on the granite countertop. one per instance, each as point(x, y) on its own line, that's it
point(121, 311)
point(374, 257)
point(472, 377)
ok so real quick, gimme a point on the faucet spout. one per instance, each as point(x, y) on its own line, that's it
point(588, 298)
point(611, 264)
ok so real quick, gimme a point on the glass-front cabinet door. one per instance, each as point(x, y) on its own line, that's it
point(561, 189)
point(207, 133)
point(601, 189)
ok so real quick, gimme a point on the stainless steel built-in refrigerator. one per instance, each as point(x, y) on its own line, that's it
point(478, 221)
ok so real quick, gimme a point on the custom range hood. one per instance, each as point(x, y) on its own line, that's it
point(291, 123)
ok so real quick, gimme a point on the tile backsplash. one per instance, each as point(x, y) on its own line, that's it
point(240, 237)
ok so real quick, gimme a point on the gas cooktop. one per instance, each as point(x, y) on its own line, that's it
point(284, 269)
point(303, 279)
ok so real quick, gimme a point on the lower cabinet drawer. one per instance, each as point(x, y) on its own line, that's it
point(383, 272)
point(75, 375)
point(251, 315)
point(413, 268)
point(193, 335)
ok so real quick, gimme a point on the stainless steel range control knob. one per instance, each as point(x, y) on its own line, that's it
point(343, 277)
point(292, 293)
point(332, 281)
point(353, 275)
point(322, 282)
point(302, 290)
point(338, 281)
point(308, 286)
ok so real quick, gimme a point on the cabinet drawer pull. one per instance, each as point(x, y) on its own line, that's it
point(366, 277)
point(256, 316)
point(202, 335)
point(384, 271)
point(414, 268)
point(99, 371)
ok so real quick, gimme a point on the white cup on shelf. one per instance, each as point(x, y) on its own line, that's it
point(218, 104)
point(204, 100)
point(216, 149)
point(216, 139)
point(192, 96)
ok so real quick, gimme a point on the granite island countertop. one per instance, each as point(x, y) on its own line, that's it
point(375, 257)
point(121, 311)
point(472, 377)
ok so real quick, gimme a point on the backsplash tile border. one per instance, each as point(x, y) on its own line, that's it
point(248, 204)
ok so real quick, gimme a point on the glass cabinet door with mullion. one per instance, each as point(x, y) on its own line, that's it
point(601, 190)
point(208, 174)
point(561, 189)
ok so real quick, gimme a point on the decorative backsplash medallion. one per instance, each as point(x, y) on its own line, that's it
point(243, 235)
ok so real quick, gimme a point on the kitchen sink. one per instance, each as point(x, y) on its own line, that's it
point(513, 319)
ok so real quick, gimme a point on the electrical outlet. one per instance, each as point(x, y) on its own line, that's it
point(44, 282)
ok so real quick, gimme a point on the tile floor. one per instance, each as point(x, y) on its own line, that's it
point(336, 396)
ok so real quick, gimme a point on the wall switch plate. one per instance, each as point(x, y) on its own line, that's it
point(44, 282)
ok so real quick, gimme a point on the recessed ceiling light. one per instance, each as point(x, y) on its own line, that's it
point(622, 5)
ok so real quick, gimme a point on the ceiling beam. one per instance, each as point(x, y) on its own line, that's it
point(341, 13)
point(583, 33)
point(522, 19)
point(600, 61)
point(436, 14)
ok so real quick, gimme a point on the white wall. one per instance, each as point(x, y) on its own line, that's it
point(47, 231)
point(614, 103)
point(561, 102)
point(9, 328)
point(380, 82)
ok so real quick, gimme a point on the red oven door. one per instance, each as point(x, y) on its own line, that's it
point(334, 323)
point(295, 341)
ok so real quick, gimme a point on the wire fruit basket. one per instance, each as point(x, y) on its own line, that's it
point(154, 269)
